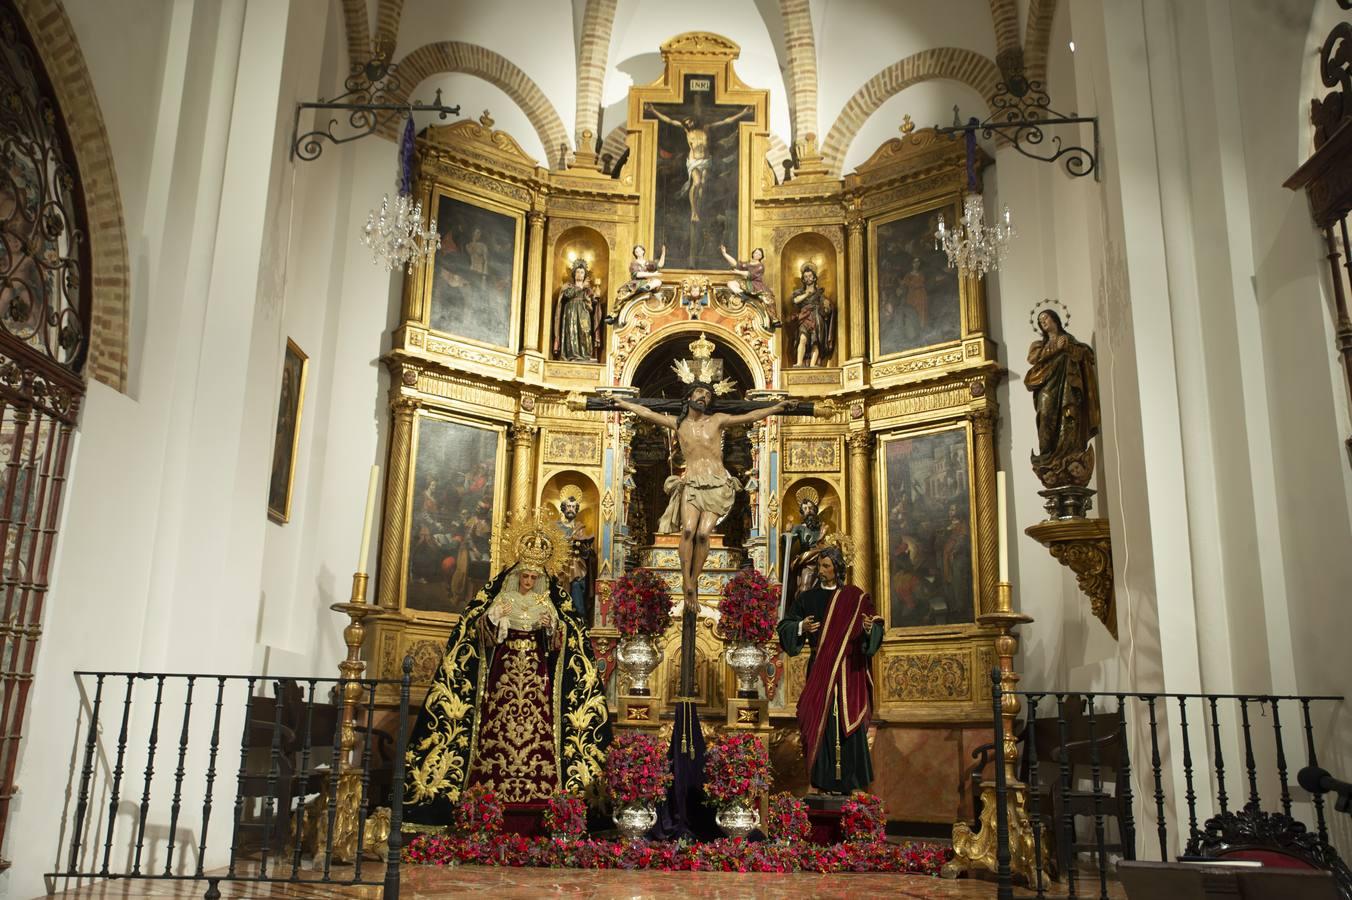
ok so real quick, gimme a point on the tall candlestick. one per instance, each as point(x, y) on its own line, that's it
point(1002, 525)
point(370, 517)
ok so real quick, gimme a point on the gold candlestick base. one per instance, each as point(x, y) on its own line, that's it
point(977, 850)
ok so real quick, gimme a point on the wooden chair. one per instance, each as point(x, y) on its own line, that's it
point(1273, 839)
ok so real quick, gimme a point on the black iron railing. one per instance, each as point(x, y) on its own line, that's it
point(1088, 738)
point(132, 815)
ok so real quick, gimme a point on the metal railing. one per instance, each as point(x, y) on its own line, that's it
point(1093, 743)
point(290, 748)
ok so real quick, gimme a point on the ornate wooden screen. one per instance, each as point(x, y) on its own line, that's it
point(44, 311)
point(1326, 177)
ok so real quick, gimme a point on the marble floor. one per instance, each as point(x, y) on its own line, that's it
point(432, 882)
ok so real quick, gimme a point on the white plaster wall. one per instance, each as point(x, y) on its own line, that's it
point(929, 104)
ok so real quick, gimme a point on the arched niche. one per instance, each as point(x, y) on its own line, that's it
point(588, 490)
point(578, 242)
point(800, 250)
point(828, 498)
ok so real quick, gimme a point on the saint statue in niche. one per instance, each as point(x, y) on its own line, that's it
point(577, 317)
point(645, 275)
point(816, 317)
point(751, 285)
point(1064, 382)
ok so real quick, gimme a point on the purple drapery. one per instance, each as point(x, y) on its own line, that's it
point(406, 158)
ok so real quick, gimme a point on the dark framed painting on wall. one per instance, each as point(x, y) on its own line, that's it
point(282, 477)
point(929, 577)
point(476, 273)
point(698, 185)
point(917, 299)
point(458, 494)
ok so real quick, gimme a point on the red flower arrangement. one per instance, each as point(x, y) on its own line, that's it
point(749, 609)
point(636, 769)
point(862, 819)
point(566, 816)
point(736, 767)
point(725, 855)
point(788, 818)
point(479, 811)
point(641, 603)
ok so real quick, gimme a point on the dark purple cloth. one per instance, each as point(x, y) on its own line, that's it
point(685, 813)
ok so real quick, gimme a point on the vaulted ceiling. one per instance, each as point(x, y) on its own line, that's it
point(556, 74)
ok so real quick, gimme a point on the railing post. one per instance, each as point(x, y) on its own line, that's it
point(395, 845)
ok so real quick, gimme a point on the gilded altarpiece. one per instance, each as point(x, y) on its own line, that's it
point(937, 398)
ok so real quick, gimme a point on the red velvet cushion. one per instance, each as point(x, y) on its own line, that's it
point(1273, 858)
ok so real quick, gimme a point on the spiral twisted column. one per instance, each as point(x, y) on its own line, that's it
point(861, 507)
point(853, 314)
point(535, 256)
point(396, 502)
point(523, 466)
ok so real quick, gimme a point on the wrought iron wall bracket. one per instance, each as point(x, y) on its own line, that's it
point(373, 99)
point(1022, 110)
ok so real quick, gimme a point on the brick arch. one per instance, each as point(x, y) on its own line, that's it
point(358, 30)
point(1005, 17)
point(388, 15)
point(954, 63)
point(801, 46)
point(1038, 37)
point(62, 58)
point(593, 56)
point(471, 59)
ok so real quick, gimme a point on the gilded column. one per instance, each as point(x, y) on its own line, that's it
point(523, 466)
point(392, 535)
point(855, 313)
point(861, 508)
point(987, 547)
point(535, 257)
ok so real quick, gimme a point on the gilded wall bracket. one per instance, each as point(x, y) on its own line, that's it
point(1085, 547)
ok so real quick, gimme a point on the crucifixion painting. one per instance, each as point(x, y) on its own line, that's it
point(697, 190)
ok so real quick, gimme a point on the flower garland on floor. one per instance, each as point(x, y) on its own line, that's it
point(749, 608)
point(726, 855)
point(788, 818)
point(736, 767)
point(862, 819)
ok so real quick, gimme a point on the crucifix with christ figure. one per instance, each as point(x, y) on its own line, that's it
point(704, 494)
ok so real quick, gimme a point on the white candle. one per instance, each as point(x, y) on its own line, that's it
point(1002, 525)
point(370, 518)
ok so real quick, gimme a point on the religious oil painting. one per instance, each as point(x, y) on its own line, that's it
point(927, 526)
point(476, 275)
point(697, 190)
point(918, 299)
point(456, 492)
point(283, 476)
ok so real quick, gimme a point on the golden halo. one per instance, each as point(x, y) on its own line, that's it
point(844, 543)
point(1055, 306)
point(535, 540)
point(807, 493)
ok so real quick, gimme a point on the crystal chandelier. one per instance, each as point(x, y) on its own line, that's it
point(396, 236)
point(974, 247)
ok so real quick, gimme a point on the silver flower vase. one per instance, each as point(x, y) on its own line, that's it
point(746, 659)
point(638, 656)
point(738, 818)
point(634, 819)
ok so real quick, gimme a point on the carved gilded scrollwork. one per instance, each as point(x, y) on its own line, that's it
point(913, 677)
point(1085, 547)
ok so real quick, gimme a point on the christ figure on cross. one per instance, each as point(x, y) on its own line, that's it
point(699, 157)
point(703, 496)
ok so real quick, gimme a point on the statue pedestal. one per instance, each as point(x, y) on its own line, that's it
point(641, 712)
point(748, 715)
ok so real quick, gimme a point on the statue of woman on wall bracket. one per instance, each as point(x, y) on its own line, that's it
point(1063, 377)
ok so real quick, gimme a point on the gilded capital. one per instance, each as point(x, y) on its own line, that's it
point(535, 218)
point(523, 435)
point(983, 421)
point(854, 225)
point(405, 406)
point(861, 442)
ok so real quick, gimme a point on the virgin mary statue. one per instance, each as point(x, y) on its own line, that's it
point(517, 704)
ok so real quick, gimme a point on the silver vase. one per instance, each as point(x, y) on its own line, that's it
point(738, 818)
point(634, 819)
point(746, 659)
point(638, 656)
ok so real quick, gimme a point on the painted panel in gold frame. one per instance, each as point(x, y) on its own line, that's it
point(457, 492)
point(473, 286)
point(291, 401)
point(917, 302)
point(927, 514)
